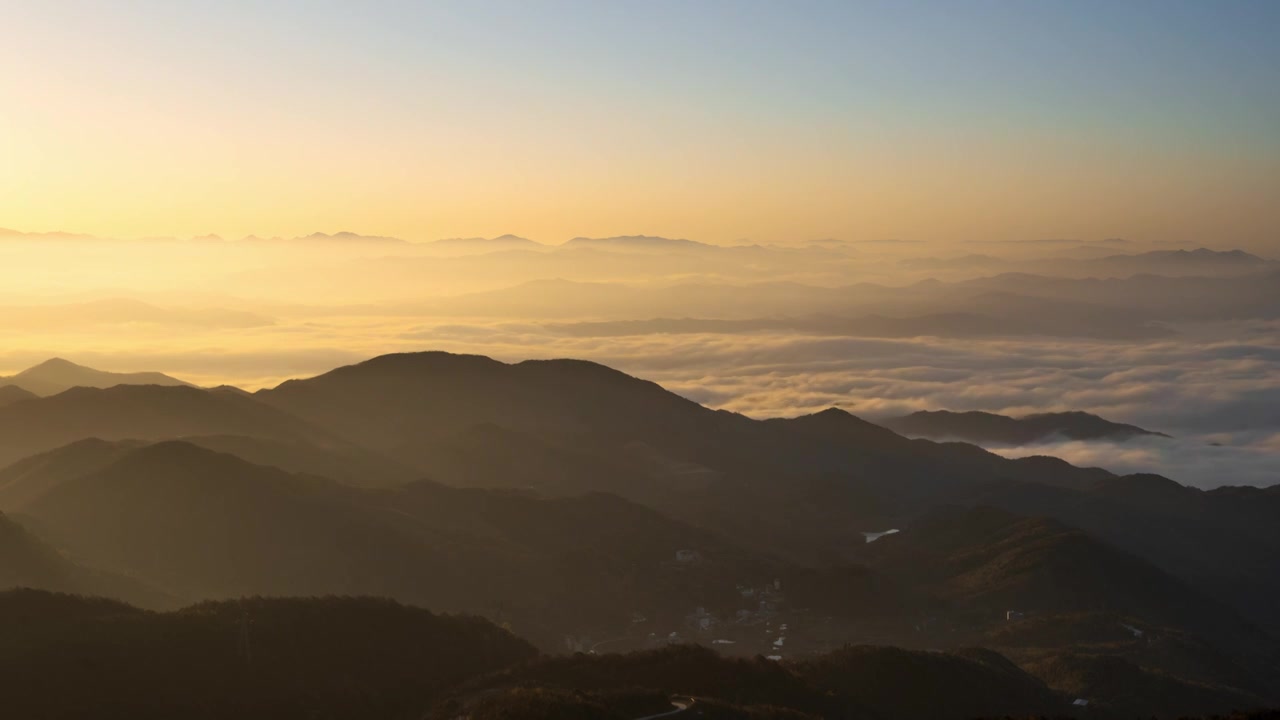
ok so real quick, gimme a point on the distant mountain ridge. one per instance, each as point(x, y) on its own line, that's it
point(57, 375)
point(343, 236)
point(1198, 255)
point(639, 242)
point(507, 241)
point(991, 428)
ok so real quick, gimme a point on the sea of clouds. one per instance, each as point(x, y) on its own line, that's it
point(1215, 389)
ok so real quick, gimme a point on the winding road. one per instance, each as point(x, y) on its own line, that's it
point(680, 704)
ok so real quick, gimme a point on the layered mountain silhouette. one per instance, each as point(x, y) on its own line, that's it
point(10, 394)
point(198, 523)
point(992, 429)
point(145, 412)
point(574, 501)
point(68, 656)
point(640, 243)
point(28, 561)
point(1172, 263)
point(718, 469)
point(346, 236)
point(481, 244)
point(1200, 261)
point(57, 375)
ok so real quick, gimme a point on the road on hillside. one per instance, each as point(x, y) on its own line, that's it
point(680, 704)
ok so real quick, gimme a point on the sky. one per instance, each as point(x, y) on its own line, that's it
point(719, 121)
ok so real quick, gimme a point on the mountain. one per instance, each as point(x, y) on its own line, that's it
point(964, 683)
point(29, 562)
point(347, 464)
point(992, 561)
point(854, 682)
point(1184, 530)
point(1095, 261)
point(57, 375)
point(480, 244)
point(32, 477)
point(587, 508)
point(364, 657)
point(1116, 686)
point(1201, 261)
point(639, 243)
point(10, 394)
point(490, 455)
point(349, 237)
point(984, 563)
point(802, 488)
point(203, 524)
point(9, 234)
point(67, 656)
point(143, 412)
point(396, 399)
point(991, 429)
point(971, 261)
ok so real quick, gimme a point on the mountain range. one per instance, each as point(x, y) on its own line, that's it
point(581, 506)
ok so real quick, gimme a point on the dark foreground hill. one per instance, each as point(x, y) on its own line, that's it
point(331, 658)
point(74, 657)
point(855, 682)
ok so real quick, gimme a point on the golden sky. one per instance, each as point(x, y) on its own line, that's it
point(721, 122)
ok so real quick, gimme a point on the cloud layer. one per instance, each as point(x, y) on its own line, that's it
point(1216, 388)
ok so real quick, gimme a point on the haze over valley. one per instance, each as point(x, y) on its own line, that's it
point(1180, 342)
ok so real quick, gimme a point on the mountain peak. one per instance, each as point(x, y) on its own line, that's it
point(54, 363)
point(57, 375)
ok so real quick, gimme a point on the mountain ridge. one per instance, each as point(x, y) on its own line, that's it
point(992, 428)
point(57, 375)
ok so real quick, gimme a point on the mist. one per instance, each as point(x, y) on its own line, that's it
point(1179, 339)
